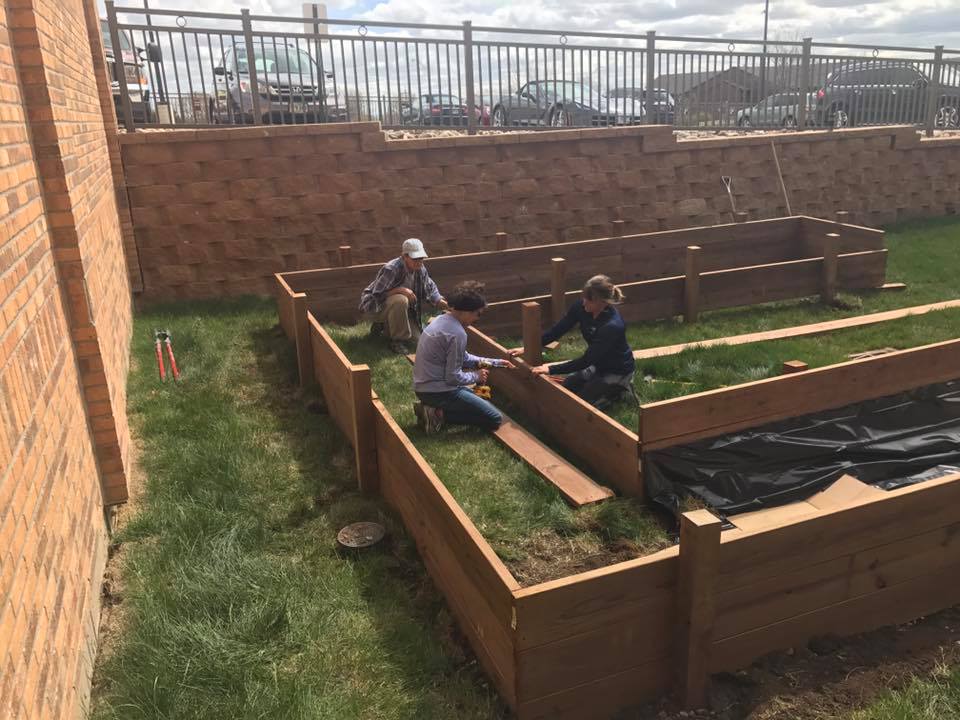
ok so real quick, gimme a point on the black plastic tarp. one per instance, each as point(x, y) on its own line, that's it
point(888, 442)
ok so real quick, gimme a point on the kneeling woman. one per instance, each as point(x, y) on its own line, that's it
point(605, 371)
point(444, 371)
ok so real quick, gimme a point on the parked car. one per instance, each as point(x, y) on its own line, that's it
point(564, 103)
point(291, 87)
point(664, 105)
point(135, 74)
point(434, 109)
point(883, 91)
point(778, 110)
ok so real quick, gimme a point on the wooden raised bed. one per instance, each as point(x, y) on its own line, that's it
point(587, 645)
point(333, 294)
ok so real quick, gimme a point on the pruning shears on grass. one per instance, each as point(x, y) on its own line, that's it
point(160, 338)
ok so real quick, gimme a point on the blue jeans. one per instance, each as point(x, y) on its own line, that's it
point(462, 407)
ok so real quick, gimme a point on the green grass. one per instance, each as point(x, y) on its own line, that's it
point(237, 602)
point(523, 517)
point(934, 697)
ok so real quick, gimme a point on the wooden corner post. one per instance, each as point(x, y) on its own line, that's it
point(691, 286)
point(828, 283)
point(618, 227)
point(364, 432)
point(501, 240)
point(558, 288)
point(301, 329)
point(532, 351)
point(346, 256)
point(696, 601)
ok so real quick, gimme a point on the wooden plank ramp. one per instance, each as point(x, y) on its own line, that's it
point(576, 487)
point(798, 330)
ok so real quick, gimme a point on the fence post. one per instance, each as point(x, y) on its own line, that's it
point(696, 589)
point(741, 216)
point(468, 71)
point(691, 285)
point(532, 350)
point(828, 283)
point(301, 331)
point(501, 241)
point(650, 60)
point(793, 366)
point(804, 82)
point(119, 70)
point(251, 65)
point(933, 89)
point(841, 216)
point(364, 433)
point(618, 227)
point(558, 288)
point(346, 256)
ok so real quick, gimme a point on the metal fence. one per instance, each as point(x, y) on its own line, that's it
point(193, 68)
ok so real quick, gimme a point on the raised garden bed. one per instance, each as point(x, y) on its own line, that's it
point(587, 645)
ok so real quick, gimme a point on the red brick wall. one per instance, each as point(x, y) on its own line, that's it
point(218, 211)
point(64, 338)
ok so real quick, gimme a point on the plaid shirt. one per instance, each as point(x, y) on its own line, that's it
point(392, 275)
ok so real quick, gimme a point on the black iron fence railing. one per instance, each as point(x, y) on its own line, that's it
point(197, 69)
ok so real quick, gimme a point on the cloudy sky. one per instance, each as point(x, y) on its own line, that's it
point(884, 22)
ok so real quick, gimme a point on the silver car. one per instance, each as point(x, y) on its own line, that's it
point(778, 110)
point(291, 87)
point(564, 103)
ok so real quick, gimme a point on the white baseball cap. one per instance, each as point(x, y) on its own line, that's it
point(413, 248)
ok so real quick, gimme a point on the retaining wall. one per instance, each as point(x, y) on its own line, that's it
point(217, 212)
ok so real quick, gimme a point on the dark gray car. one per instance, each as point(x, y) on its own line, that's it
point(564, 103)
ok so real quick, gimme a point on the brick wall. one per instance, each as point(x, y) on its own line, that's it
point(217, 211)
point(64, 339)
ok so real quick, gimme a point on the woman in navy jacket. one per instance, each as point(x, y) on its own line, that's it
point(605, 370)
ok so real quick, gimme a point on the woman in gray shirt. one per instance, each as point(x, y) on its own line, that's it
point(444, 370)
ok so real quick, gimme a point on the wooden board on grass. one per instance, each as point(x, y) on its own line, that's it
point(576, 487)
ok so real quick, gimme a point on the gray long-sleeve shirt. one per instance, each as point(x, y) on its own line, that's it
point(442, 356)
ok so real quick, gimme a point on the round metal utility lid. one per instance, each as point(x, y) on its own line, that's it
point(361, 535)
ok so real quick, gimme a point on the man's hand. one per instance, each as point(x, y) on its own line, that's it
point(515, 352)
point(506, 364)
point(482, 376)
point(442, 304)
point(541, 370)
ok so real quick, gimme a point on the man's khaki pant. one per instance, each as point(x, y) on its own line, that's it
point(395, 316)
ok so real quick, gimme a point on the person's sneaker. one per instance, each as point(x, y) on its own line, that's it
point(377, 329)
point(400, 347)
point(429, 419)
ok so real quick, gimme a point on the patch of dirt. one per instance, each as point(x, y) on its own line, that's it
point(113, 612)
point(550, 555)
point(829, 677)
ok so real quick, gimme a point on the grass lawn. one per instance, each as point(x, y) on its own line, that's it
point(234, 599)
point(236, 602)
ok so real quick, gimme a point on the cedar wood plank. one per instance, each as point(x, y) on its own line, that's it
point(576, 487)
point(285, 306)
point(609, 449)
point(797, 330)
point(332, 371)
point(894, 604)
point(474, 581)
point(716, 412)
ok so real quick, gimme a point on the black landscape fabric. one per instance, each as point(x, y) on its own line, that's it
point(889, 442)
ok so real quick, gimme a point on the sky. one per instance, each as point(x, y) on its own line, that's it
point(922, 23)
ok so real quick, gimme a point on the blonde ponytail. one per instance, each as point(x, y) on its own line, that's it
point(600, 287)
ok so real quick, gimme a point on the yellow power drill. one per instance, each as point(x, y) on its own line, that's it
point(483, 391)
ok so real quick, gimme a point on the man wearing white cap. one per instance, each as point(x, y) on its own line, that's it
point(397, 293)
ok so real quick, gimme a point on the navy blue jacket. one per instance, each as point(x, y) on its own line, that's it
point(606, 338)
